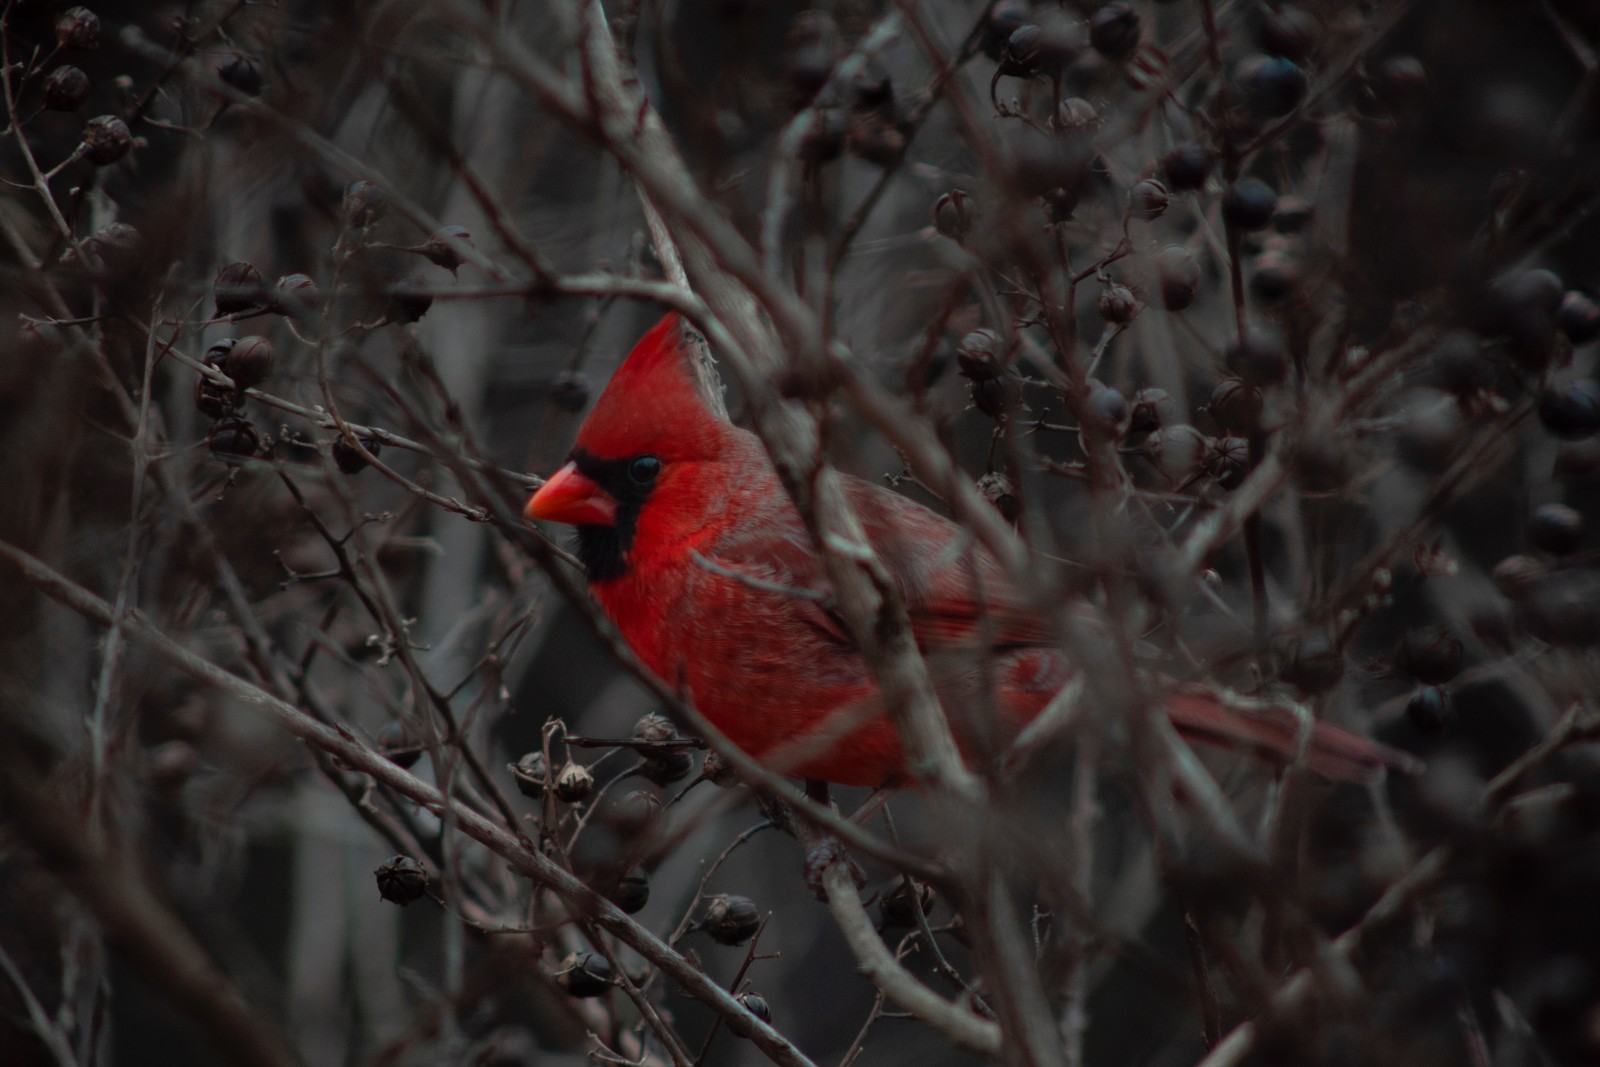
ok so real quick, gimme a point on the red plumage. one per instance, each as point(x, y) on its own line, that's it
point(697, 554)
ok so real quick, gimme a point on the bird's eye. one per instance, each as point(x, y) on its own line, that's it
point(643, 470)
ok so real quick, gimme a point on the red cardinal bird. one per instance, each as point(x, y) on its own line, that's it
point(696, 552)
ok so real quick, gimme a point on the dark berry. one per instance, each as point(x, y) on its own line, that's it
point(233, 439)
point(296, 294)
point(979, 355)
point(1273, 85)
point(632, 891)
point(1579, 317)
point(1430, 710)
point(1236, 405)
point(531, 774)
point(1556, 529)
point(440, 251)
point(1290, 32)
point(1229, 461)
point(1118, 305)
point(1562, 608)
point(214, 401)
point(401, 880)
point(756, 1005)
point(586, 974)
point(248, 362)
point(1179, 276)
point(1293, 214)
point(1312, 664)
point(1152, 409)
point(1400, 81)
point(348, 458)
point(1571, 410)
point(731, 919)
point(569, 390)
point(1107, 407)
point(898, 907)
point(1114, 30)
point(954, 214)
point(1249, 204)
point(106, 139)
point(66, 88)
point(1005, 18)
point(238, 287)
point(409, 300)
point(1059, 204)
point(1273, 276)
point(1187, 166)
point(399, 744)
point(78, 27)
point(1430, 654)
point(243, 73)
point(363, 203)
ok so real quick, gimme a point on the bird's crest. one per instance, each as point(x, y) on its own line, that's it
point(654, 403)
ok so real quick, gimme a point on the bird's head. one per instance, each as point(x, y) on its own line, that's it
point(649, 428)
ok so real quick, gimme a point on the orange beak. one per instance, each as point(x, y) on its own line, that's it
point(573, 498)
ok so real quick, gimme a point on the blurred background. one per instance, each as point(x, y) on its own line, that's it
point(362, 200)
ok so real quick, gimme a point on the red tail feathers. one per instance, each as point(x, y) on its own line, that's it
point(1273, 734)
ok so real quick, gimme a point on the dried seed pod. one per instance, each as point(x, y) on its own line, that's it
point(297, 295)
point(401, 880)
point(78, 27)
point(632, 891)
point(1293, 214)
point(238, 287)
point(898, 908)
point(1228, 461)
point(1430, 710)
point(569, 391)
point(1114, 30)
point(1077, 115)
point(409, 300)
point(1178, 451)
point(637, 812)
point(1578, 459)
point(1249, 204)
point(1430, 654)
point(1556, 529)
point(106, 139)
point(440, 251)
point(756, 1005)
point(1562, 608)
point(216, 356)
point(954, 214)
point(531, 774)
point(1236, 405)
point(718, 771)
point(66, 88)
point(1187, 166)
point(654, 727)
point(348, 458)
point(731, 919)
point(215, 401)
point(248, 362)
point(1152, 409)
point(233, 439)
point(1118, 305)
point(244, 73)
point(979, 355)
point(998, 490)
point(399, 744)
point(586, 974)
point(667, 765)
point(1179, 276)
point(574, 784)
point(363, 204)
point(1148, 200)
point(1312, 664)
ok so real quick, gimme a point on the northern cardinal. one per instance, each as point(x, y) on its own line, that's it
point(696, 552)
